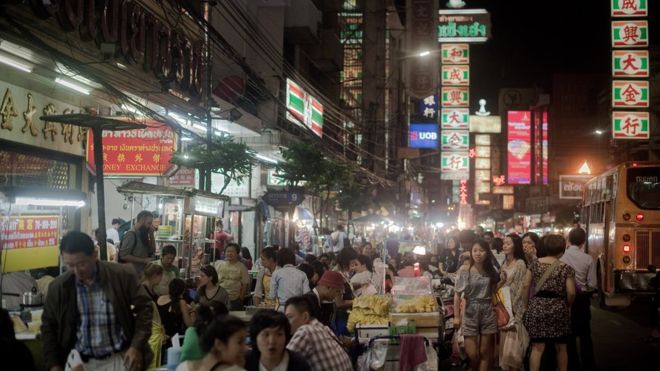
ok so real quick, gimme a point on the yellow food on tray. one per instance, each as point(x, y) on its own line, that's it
point(376, 304)
point(418, 304)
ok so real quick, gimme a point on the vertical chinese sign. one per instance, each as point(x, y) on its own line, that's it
point(630, 69)
point(29, 242)
point(422, 24)
point(455, 112)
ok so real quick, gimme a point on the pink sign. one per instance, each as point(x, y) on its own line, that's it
point(519, 147)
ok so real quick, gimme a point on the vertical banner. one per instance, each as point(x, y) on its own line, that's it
point(519, 147)
point(422, 20)
point(544, 125)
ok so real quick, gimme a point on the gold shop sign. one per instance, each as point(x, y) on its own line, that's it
point(20, 110)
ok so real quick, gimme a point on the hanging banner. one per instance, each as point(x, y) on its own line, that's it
point(629, 8)
point(519, 147)
point(303, 109)
point(140, 152)
point(454, 166)
point(455, 118)
point(455, 140)
point(455, 96)
point(630, 94)
point(458, 75)
point(630, 34)
point(29, 242)
point(454, 54)
point(422, 21)
point(630, 63)
point(630, 125)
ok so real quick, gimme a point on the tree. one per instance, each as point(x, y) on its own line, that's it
point(223, 156)
point(353, 196)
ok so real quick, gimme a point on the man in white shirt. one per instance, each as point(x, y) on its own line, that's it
point(112, 233)
point(337, 238)
point(585, 279)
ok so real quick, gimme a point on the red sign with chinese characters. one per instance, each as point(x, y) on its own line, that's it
point(141, 152)
point(463, 192)
point(519, 147)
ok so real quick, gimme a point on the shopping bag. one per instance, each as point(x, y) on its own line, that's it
point(503, 308)
point(514, 347)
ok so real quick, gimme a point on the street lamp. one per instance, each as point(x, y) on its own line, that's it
point(599, 132)
point(424, 53)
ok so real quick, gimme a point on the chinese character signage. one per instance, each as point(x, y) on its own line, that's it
point(429, 106)
point(455, 118)
point(29, 242)
point(456, 75)
point(630, 34)
point(630, 63)
point(455, 166)
point(629, 8)
point(463, 192)
point(630, 125)
point(303, 109)
point(455, 140)
point(463, 25)
point(423, 136)
point(454, 54)
point(630, 94)
point(422, 21)
point(571, 186)
point(455, 96)
point(141, 152)
point(519, 147)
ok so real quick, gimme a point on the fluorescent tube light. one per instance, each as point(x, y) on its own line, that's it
point(73, 86)
point(265, 158)
point(34, 201)
point(25, 67)
point(17, 50)
point(199, 127)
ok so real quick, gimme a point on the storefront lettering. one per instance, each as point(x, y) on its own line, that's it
point(452, 29)
point(7, 111)
point(135, 34)
point(49, 127)
point(28, 115)
point(67, 129)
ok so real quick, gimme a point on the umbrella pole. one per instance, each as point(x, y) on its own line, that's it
point(100, 189)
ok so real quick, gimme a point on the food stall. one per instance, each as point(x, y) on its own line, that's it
point(187, 217)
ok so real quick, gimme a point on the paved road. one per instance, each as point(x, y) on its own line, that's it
point(619, 337)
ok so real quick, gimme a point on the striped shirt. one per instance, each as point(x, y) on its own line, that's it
point(320, 347)
point(286, 283)
point(99, 332)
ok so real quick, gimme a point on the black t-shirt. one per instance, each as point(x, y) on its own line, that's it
point(449, 260)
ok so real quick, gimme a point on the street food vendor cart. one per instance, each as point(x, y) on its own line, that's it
point(187, 218)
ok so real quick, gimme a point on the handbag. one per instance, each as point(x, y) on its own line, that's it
point(501, 314)
point(503, 309)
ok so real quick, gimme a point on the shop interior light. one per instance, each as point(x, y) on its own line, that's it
point(200, 127)
point(266, 158)
point(36, 201)
point(13, 62)
point(17, 50)
point(62, 69)
point(73, 86)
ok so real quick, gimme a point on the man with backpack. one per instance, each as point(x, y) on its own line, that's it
point(136, 247)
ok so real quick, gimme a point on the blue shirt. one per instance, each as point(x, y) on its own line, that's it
point(288, 282)
point(99, 332)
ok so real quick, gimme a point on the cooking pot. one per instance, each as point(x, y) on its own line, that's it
point(31, 298)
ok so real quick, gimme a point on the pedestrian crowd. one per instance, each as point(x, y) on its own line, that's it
point(100, 315)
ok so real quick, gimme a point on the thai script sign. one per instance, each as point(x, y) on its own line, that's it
point(463, 25)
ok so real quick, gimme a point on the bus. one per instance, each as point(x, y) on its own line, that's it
point(621, 215)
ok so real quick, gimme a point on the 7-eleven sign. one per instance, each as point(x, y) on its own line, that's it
point(630, 63)
point(455, 54)
point(630, 8)
point(630, 94)
point(455, 118)
point(630, 33)
point(455, 96)
point(456, 75)
point(455, 140)
point(630, 125)
point(303, 109)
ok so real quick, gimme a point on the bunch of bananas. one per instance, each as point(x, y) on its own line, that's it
point(418, 304)
point(369, 310)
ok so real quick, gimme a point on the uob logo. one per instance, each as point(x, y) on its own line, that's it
point(428, 135)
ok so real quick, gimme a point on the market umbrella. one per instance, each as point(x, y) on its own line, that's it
point(97, 124)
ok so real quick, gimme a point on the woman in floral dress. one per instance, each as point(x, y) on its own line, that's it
point(548, 318)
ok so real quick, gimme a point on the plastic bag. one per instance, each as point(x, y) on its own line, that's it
point(503, 296)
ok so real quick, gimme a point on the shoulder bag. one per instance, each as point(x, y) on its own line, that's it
point(545, 276)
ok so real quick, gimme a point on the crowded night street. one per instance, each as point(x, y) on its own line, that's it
point(329, 185)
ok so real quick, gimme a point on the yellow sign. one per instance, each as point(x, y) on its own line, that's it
point(29, 242)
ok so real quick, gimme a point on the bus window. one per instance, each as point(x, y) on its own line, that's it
point(643, 186)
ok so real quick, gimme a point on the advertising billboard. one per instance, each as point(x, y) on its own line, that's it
point(571, 186)
point(423, 135)
point(519, 147)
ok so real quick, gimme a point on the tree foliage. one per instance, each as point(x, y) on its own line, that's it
point(233, 160)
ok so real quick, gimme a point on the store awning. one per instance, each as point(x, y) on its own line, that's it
point(158, 190)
